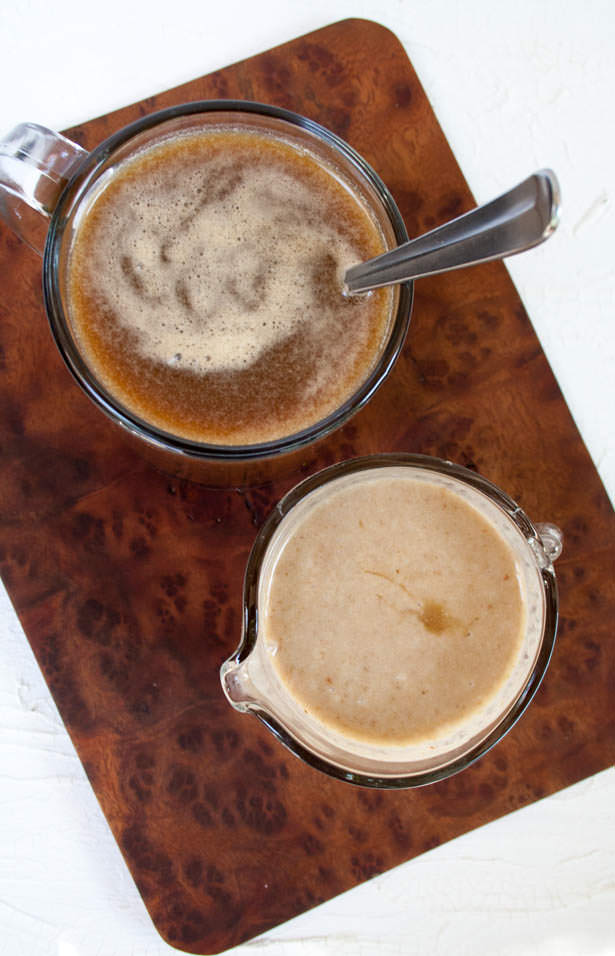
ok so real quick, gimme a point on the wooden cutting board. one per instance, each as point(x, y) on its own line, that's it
point(128, 582)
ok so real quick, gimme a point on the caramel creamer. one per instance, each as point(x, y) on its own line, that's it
point(394, 607)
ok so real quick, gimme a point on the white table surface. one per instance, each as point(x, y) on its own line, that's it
point(516, 86)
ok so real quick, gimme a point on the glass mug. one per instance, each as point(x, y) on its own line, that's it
point(48, 181)
point(253, 683)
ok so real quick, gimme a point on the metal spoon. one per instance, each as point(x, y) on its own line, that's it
point(518, 220)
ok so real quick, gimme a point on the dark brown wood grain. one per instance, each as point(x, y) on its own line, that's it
point(128, 581)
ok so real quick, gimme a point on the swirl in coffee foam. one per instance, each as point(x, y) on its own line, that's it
point(206, 286)
point(208, 282)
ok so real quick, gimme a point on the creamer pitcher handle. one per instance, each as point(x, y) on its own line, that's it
point(35, 165)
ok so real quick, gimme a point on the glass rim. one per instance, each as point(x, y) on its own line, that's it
point(395, 780)
point(133, 422)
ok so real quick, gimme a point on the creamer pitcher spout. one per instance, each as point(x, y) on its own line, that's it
point(238, 686)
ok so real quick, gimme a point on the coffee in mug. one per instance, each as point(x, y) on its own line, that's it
point(192, 275)
point(205, 286)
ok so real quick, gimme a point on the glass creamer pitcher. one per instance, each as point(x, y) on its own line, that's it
point(253, 684)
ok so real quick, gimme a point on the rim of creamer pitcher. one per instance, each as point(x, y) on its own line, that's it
point(520, 703)
point(105, 400)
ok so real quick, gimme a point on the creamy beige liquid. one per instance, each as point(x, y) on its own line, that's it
point(395, 609)
point(205, 287)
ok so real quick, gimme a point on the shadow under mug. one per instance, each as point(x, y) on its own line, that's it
point(251, 681)
point(45, 180)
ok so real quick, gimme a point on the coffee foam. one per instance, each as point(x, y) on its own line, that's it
point(204, 285)
point(182, 261)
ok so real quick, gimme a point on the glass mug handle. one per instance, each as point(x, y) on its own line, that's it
point(35, 166)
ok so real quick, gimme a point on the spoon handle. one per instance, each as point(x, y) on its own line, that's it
point(521, 218)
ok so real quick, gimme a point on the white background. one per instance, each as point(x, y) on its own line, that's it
point(516, 86)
